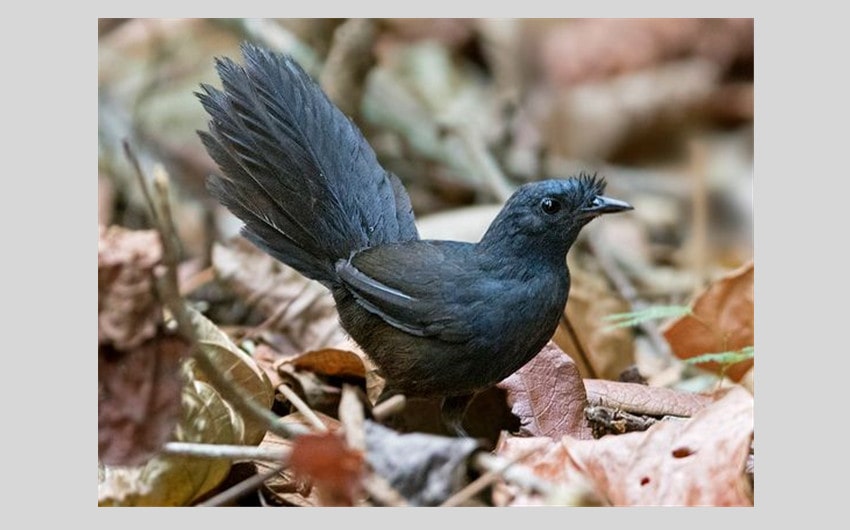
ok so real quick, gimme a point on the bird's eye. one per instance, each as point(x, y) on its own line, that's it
point(550, 206)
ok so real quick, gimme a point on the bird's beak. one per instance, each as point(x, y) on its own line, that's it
point(602, 205)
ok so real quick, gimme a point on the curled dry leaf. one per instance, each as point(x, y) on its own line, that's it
point(548, 397)
point(424, 468)
point(128, 312)
point(721, 320)
point(642, 399)
point(238, 366)
point(700, 461)
point(304, 310)
point(138, 399)
point(169, 480)
point(330, 362)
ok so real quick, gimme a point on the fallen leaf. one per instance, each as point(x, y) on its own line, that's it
point(330, 362)
point(548, 396)
point(547, 458)
point(695, 462)
point(721, 320)
point(173, 480)
point(583, 50)
point(243, 371)
point(138, 399)
point(644, 399)
point(305, 310)
point(424, 468)
point(128, 312)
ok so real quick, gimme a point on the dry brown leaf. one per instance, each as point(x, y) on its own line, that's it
point(305, 310)
point(696, 462)
point(583, 50)
point(548, 459)
point(138, 399)
point(330, 362)
point(128, 312)
point(335, 469)
point(700, 461)
point(547, 395)
point(239, 367)
point(643, 399)
point(721, 320)
point(172, 480)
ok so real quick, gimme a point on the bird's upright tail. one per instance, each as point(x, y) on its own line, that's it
point(296, 170)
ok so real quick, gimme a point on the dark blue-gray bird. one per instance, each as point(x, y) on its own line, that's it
point(439, 318)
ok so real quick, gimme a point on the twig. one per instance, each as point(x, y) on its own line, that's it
point(170, 293)
point(517, 474)
point(380, 490)
point(226, 452)
point(277, 314)
point(140, 176)
point(699, 213)
point(353, 418)
point(490, 476)
point(302, 407)
point(580, 351)
point(390, 407)
point(234, 492)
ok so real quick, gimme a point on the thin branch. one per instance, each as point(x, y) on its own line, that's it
point(140, 176)
point(234, 492)
point(380, 490)
point(390, 407)
point(517, 474)
point(580, 351)
point(226, 452)
point(303, 408)
point(169, 289)
point(475, 487)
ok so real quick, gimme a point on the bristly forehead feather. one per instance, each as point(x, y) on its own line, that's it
point(590, 185)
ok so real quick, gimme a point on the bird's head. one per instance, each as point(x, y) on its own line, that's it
point(546, 216)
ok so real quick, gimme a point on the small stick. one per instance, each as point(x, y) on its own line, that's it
point(390, 407)
point(303, 408)
point(490, 476)
point(517, 474)
point(237, 490)
point(380, 490)
point(170, 293)
point(226, 452)
point(580, 351)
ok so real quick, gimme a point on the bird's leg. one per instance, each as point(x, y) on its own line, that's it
point(452, 412)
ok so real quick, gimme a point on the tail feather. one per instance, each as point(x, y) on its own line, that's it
point(297, 172)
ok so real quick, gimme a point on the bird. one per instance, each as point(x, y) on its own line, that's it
point(440, 319)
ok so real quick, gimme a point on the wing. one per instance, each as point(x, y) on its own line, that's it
point(425, 288)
